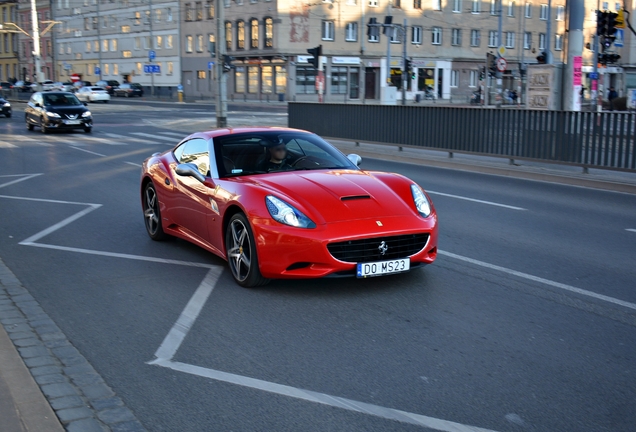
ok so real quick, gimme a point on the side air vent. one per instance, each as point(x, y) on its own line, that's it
point(355, 197)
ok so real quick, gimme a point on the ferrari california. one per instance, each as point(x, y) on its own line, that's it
point(280, 203)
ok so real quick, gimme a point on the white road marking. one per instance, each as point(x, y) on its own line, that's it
point(147, 135)
point(103, 141)
point(116, 136)
point(23, 177)
point(542, 280)
point(175, 134)
point(4, 144)
point(87, 151)
point(35, 237)
point(23, 138)
point(475, 200)
point(630, 229)
point(180, 329)
point(134, 164)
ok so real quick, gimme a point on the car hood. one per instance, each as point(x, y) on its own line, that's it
point(66, 110)
point(339, 195)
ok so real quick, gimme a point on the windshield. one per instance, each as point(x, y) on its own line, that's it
point(272, 151)
point(61, 100)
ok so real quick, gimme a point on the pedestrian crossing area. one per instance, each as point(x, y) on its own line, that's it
point(31, 139)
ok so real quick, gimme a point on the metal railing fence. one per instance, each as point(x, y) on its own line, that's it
point(587, 139)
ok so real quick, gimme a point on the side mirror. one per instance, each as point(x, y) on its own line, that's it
point(356, 159)
point(37, 104)
point(85, 103)
point(190, 170)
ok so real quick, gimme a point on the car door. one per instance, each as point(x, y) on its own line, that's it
point(192, 203)
point(34, 109)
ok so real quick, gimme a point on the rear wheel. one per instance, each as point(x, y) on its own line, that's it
point(241, 253)
point(152, 215)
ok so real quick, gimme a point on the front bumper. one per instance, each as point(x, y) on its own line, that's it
point(288, 253)
point(66, 124)
point(6, 111)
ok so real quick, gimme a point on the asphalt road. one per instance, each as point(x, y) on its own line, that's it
point(526, 322)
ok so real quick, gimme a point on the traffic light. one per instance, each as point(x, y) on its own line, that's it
point(601, 23)
point(408, 67)
point(482, 73)
point(542, 58)
point(611, 28)
point(316, 52)
point(227, 63)
point(387, 27)
point(606, 59)
point(373, 28)
point(491, 62)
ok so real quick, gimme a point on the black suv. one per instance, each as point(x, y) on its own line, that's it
point(109, 85)
point(54, 110)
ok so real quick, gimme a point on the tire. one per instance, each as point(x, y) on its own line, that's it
point(43, 128)
point(240, 249)
point(29, 125)
point(8, 115)
point(88, 129)
point(106, 101)
point(127, 95)
point(152, 214)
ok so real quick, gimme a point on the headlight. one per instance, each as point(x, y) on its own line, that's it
point(286, 214)
point(86, 114)
point(421, 202)
point(7, 104)
point(52, 114)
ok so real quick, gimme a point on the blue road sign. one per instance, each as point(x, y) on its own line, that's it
point(593, 75)
point(152, 69)
point(620, 37)
point(179, 87)
point(152, 55)
point(210, 65)
point(97, 70)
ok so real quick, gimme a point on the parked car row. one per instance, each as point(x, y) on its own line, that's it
point(111, 87)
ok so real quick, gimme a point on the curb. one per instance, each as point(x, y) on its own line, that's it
point(78, 395)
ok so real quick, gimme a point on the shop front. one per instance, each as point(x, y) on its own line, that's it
point(258, 79)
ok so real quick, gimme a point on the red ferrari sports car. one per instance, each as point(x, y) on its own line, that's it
point(282, 203)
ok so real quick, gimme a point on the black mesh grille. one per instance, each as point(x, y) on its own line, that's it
point(368, 250)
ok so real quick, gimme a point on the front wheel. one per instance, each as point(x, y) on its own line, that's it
point(152, 215)
point(241, 253)
point(88, 129)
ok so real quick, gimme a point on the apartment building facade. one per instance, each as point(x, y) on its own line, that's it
point(25, 42)
point(8, 41)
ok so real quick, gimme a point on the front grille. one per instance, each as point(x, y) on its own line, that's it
point(368, 250)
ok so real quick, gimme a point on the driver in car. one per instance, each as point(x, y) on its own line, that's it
point(277, 152)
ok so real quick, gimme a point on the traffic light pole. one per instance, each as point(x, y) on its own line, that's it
point(404, 71)
point(573, 73)
point(499, 74)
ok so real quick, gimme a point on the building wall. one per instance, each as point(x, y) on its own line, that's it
point(8, 42)
point(26, 67)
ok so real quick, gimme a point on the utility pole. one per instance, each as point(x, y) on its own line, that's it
point(152, 45)
point(404, 71)
point(39, 77)
point(499, 74)
point(594, 91)
point(221, 102)
point(548, 30)
point(572, 93)
point(99, 42)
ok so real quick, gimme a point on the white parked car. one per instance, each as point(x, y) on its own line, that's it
point(92, 94)
point(48, 85)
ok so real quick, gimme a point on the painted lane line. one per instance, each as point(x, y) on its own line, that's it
point(178, 332)
point(174, 134)
point(46, 199)
point(87, 151)
point(542, 280)
point(630, 229)
point(116, 136)
point(322, 398)
point(133, 164)
point(475, 200)
point(117, 255)
point(4, 144)
point(26, 177)
point(105, 141)
point(147, 135)
point(61, 224)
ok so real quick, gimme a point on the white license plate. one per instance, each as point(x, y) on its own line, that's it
point(380, 268)
point(72, 121)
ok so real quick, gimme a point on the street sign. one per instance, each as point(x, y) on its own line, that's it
point(593, 75)
point(210, 65)
point(97, 70)
point(75, 78)
point(67, 66)
point(501, 64)
point(620, 37)
point(502, 51)
point(152, 55)
point(152, 69)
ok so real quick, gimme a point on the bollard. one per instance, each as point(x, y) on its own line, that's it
point(180, 95)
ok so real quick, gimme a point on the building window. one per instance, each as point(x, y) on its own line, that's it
point(558, 42)
point(493, 39)
point(475, 38)
point(95, 23)
point(254, 33)
point(416, 35)
point(105, 69)
point(105, 45)
point(338, 80)
point(115, 69)
point(169, 42)
point(252, 79)
point(228, 35)
point(351, 32)
point(454, 78)
point(305, 80)
point(201, 74)
point(188, 11)
point(113, 45)
point(87, 24)
point(543, 13)
point(541, 41)
point(396, 37)
point(125, 29)
point(436, 5)
point(139, 69)
point(281, 79)
point(239, 79)
point(528, 10)
point(95, 46)
point(137, 18)
point(240, 35)
point(267, 79)
point(105, 22)
point(456, 37)
point(269, 33)
point(211, 43)
point(189, 44)
point(373, 3)
point(560, 13)
point(88, 46)
point(476, 6)
point(126, 54)
point(510, 39)
point(472, 81)
point(327, 30)
point(511, 8)
point(170, 68)
point(199, 10)
point(209, 7)
point(169, 14)
point(457, 6)
point(417, 4)
point(157, 15)
point(527, 40)
point(373, 38)
point(436, 36)
point(200, 43)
